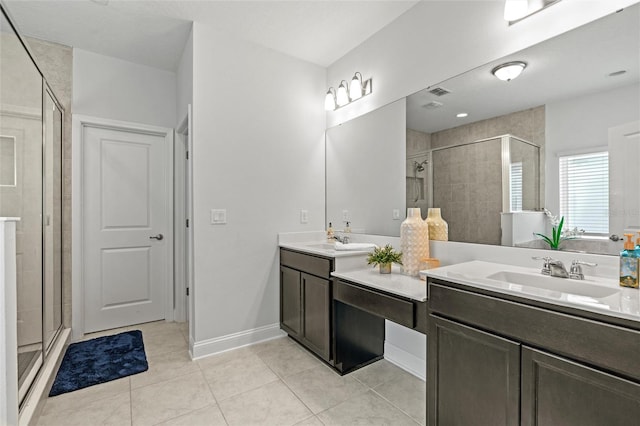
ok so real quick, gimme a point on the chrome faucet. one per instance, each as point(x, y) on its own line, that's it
point(344, 239)
point(552, 267)
point(576, 269)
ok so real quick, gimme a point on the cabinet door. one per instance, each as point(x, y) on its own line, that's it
point(474, 377)
point(290, 301)
point(316, 314)
point(556, 391)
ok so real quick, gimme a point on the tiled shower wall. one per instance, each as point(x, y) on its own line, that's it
point(56, 62)
point(468, 185)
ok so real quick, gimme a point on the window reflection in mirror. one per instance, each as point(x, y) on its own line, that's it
point(566, 101)
point(576, 90)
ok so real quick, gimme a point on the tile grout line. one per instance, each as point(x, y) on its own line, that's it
point(298, 398)
point(395, 406)
point(211, 392)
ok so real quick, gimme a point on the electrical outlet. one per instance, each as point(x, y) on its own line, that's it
point(345, 215)
point(396, 214)
point(218, 216)
point(304, 216)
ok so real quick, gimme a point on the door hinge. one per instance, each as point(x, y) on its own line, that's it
point(187, 154)
point(187, 291)
point(187, 222)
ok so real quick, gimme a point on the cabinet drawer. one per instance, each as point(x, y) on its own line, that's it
point(593, 342)
point(317, 266)
point(389, 307)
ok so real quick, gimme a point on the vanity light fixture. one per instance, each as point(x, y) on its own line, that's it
point(330, 100)
point(462, 115)
point(508, 71)
point(347, 93)
point(516, 10)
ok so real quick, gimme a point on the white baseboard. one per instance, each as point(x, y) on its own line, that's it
point(236, 340)
point(405, 360)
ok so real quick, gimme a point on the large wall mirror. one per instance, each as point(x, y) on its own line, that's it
point(492, 154)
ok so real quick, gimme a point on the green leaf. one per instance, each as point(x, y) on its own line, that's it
point(546, 239)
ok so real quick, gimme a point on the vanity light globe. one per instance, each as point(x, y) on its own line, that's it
point(414, 241)
point(342, 96)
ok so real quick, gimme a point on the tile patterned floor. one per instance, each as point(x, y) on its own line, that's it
point(271, 383)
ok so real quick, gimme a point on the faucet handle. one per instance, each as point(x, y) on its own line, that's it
point(576, 269)
point(546, 268)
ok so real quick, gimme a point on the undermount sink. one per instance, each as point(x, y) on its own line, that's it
point(561, 285)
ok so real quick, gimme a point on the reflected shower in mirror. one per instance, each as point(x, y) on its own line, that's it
point(576, 90)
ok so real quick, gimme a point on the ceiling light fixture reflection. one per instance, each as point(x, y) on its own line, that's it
point(462, 115)
point(509, 70)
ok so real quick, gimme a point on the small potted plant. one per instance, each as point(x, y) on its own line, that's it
point(558, 235)
point(384, 257)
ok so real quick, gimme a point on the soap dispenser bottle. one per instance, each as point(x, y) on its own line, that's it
point(347, 229)
point(629, 264)
point(330, 233)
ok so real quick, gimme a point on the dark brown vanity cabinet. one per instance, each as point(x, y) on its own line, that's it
point(557, 391)
point(475, 375)
point(305, 300)
point(493, 361)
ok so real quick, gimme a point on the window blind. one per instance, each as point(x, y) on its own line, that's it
point(515, 186)
point(584, 192)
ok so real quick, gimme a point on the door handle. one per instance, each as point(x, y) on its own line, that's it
point(157, 237)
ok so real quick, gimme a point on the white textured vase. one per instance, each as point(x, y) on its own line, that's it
point(414, 241)
point(438, 228)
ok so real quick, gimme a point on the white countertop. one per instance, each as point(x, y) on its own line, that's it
point(314, 247)
point(394, 283)
point(607, 298)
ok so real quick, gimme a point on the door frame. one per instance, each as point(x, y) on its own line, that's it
point(183, 251)
point(79, 124)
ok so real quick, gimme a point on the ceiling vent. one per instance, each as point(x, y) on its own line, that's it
point(439, 91)
point(432, 105)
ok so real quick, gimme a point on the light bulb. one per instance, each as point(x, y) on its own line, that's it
point(330, 101)
point(355, 89)
point(515, 9)
point(342, 97)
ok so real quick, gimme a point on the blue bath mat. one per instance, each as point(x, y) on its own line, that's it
point(100, 360)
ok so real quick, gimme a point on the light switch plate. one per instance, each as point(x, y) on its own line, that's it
point(396, 214)
point(304, 216)
point(345, 215)
point(218, 216)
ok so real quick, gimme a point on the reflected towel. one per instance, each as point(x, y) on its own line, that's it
point(355, 246)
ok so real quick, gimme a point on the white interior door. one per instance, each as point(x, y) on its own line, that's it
point(624, 179)
point(125, 226)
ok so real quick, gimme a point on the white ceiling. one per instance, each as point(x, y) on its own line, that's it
point(575, 63)
point(154, 32)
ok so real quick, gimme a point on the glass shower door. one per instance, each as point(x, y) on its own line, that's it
point(21, 188)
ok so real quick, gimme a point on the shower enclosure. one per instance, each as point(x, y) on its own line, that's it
point(31, 121)
point(474, 183)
